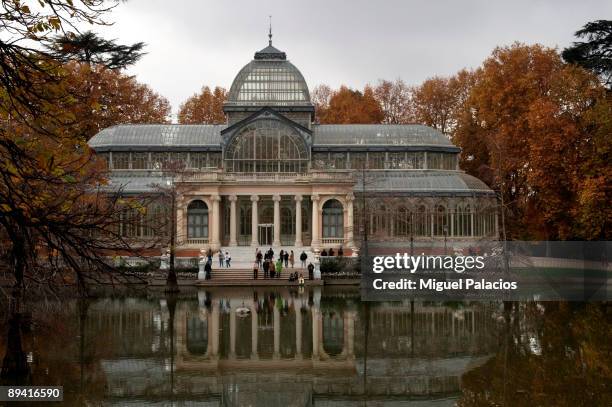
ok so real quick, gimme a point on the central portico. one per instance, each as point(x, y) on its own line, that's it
point(266, 211)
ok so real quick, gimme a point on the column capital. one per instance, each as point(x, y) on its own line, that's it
point(350, 197)
point(315, 198)
point(215, 198)
point(298, 198)
point(276, 198)
point(254, 198)
point(232, 198)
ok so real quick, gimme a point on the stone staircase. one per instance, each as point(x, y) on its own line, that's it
point(243, 258)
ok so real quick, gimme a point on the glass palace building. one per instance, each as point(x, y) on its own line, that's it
point(271, 176)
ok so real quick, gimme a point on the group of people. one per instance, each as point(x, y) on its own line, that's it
point(332, 253)
point(273, 269)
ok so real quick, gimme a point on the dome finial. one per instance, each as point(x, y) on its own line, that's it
point(270, 32)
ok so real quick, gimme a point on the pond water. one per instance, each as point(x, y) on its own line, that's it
point(311, 347)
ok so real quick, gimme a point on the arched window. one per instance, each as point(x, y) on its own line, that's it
point(197, 220)
point(402, 222)
point(440, 217)
point(333, 219)
point(267, 146)
point(422, 225)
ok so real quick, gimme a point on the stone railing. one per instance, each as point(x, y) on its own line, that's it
point(332, 240)
point(313, 176)
point(202, 240)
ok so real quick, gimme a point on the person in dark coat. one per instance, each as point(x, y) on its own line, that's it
point(331, 251)
point(310, 271)
point(303, 258)
point(324, 253)
point(266, 267)
point(208, 270)
point(286, 259)
point(340, 252)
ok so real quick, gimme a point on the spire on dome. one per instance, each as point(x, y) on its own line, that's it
point(270, 52)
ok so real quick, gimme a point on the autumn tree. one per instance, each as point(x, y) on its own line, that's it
point(437, 101)
point(349, 106)
point(57, 220)
point(394, 99)
point(107, 97)
point(534, 118)
point(205, 107)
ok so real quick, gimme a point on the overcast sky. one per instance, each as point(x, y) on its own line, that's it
point(354, 42)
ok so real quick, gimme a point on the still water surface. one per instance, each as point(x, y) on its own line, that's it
point(314, 347)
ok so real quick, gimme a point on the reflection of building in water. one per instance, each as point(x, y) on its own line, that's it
point(294, 348)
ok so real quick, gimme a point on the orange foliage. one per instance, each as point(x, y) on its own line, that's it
point(205, 107)
point(348, 106)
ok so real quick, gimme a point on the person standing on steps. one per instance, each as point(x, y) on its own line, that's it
point(228, 259)
point(272, 269)
point(266, 267)
point(286, 259)
point(255, 269)
point(292, 259)
point(279, 267)
point(303, 258)
point(258, 257)
point(221, 258)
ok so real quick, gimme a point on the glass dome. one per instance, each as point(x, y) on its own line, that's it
point(269, 80)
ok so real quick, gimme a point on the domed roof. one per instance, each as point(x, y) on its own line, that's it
point(269, 80)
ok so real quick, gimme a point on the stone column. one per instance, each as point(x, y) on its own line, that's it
point(216, 224)
point(298, 221)
point(233, 220)
point(350, 236)
point(180, 220)
point(316, 239)
point(276, 333)
point(276, 199)
point(254, 221)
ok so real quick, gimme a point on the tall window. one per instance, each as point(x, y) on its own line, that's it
point(463, 221)
point(287, 222)
point(197, 220)
point(267, 146)
point(333, 219)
